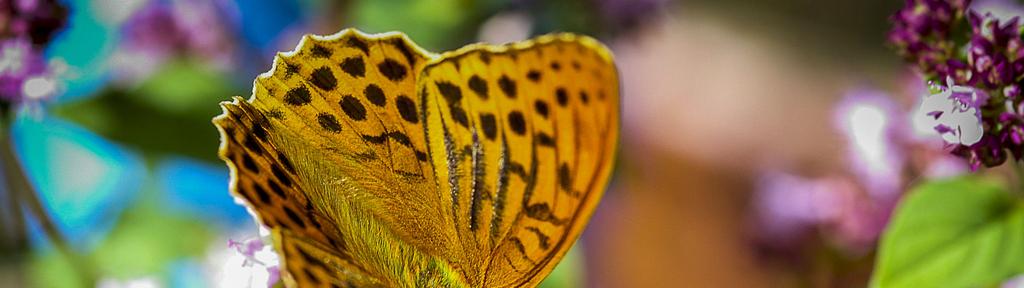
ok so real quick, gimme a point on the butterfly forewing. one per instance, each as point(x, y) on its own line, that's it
point(342, 110)
point(377, 163)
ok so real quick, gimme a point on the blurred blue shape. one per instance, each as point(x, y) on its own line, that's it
point(263, 20)
point(187, 273)
point(84, 180)
point(85, 45)
point(201, 190)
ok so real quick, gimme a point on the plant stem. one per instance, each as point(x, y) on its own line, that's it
point(24, 193)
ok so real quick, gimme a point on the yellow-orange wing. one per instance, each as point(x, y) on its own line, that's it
point(376, 163)
point(522, 138)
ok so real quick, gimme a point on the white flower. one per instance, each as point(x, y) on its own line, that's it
point(954, 113)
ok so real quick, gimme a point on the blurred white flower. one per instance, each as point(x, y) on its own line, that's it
point(865, 116)
point(253, 264)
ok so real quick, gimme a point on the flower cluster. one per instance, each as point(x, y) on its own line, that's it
point(851, 205)
point(921, 34)
point(26, 27)
point(978, 59)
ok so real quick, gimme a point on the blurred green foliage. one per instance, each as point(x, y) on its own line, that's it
point(169, 113)
point(146, 239)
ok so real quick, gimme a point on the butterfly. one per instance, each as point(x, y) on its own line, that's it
point(378, 164)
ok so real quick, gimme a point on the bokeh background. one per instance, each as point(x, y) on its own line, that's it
point(764, 143)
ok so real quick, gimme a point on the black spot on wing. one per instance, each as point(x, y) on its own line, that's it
point(564, 177)
point(405, 50)
point(324, 79)
point(398, 137)
point(250, 164)
point(406, 108)
point(543, 139)
point(401, 138)
point(297, 96)
point(542, 238)
point(354, 66)
point(358, 44)
point(258, 130)
point(353, 108)
point(376, 139)
point(541, 108)
point(508, 86)
point(281, 175)
point(328, 122)
point(320, 51)
point(459, 115)
point(285, 162)
point(392, 69)
point(556, 66)
point(489, 124)
point(542, 212)
point(375, 95)
point(516, 122)
point(253, 145)
point(518, 170)
point(290, 69)
point(450, 92)
point(453, 95)
point(261, 193)
point(533, 75)
point(478, 85)
point(276, 188)
point(292, 215)
point(562, 96)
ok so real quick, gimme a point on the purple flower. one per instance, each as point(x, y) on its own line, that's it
point(921, 34)
point(26, 26)
point(788, 204)
point(260, 262)
point(274, 275)
point(866, 117)
point(162, 30)
point(852, 206)
point(994, 50)
point(35, 20)
point(24, 74)
point(978, 112)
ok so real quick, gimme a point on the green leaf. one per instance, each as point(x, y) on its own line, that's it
point(963, 232)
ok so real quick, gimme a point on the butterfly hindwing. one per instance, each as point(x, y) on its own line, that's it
point(523, 184)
